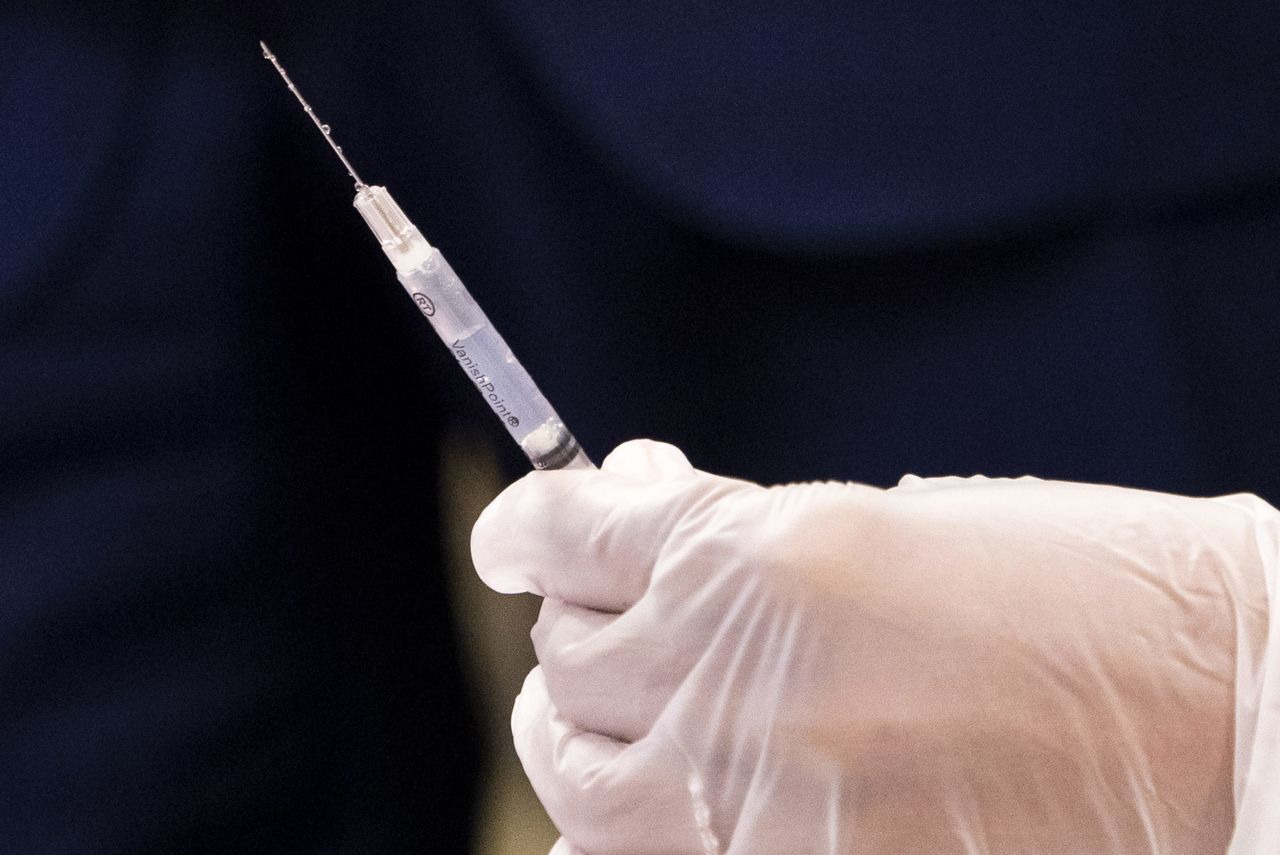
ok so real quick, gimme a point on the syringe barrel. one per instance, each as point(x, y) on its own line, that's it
point(490, 365)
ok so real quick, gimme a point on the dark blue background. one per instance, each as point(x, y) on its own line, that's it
point(850, 242)
point(799, 241)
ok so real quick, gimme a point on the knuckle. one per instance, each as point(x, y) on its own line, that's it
point(817, 540)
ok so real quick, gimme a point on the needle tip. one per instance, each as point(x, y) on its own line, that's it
point(266, 51)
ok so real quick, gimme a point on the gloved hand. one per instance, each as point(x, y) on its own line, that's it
point(953, 665)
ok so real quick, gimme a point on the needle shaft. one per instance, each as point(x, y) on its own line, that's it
point(324, 129)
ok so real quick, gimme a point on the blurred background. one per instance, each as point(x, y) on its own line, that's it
point(800, 240)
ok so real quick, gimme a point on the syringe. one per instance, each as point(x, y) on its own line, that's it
point(443, 300)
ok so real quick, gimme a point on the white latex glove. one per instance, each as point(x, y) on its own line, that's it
point(954, 665)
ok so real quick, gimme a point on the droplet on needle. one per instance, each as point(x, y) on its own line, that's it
point(324, 129)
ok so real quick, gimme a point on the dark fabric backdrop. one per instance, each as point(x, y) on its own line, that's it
point(800, 241)
point(223, 624)
point(854, 240)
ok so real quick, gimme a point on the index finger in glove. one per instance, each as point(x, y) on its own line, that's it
point(591, 538)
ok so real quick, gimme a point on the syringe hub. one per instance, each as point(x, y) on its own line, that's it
point(399, 238)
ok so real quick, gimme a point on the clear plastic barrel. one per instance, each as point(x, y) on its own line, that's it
point(490, 365)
